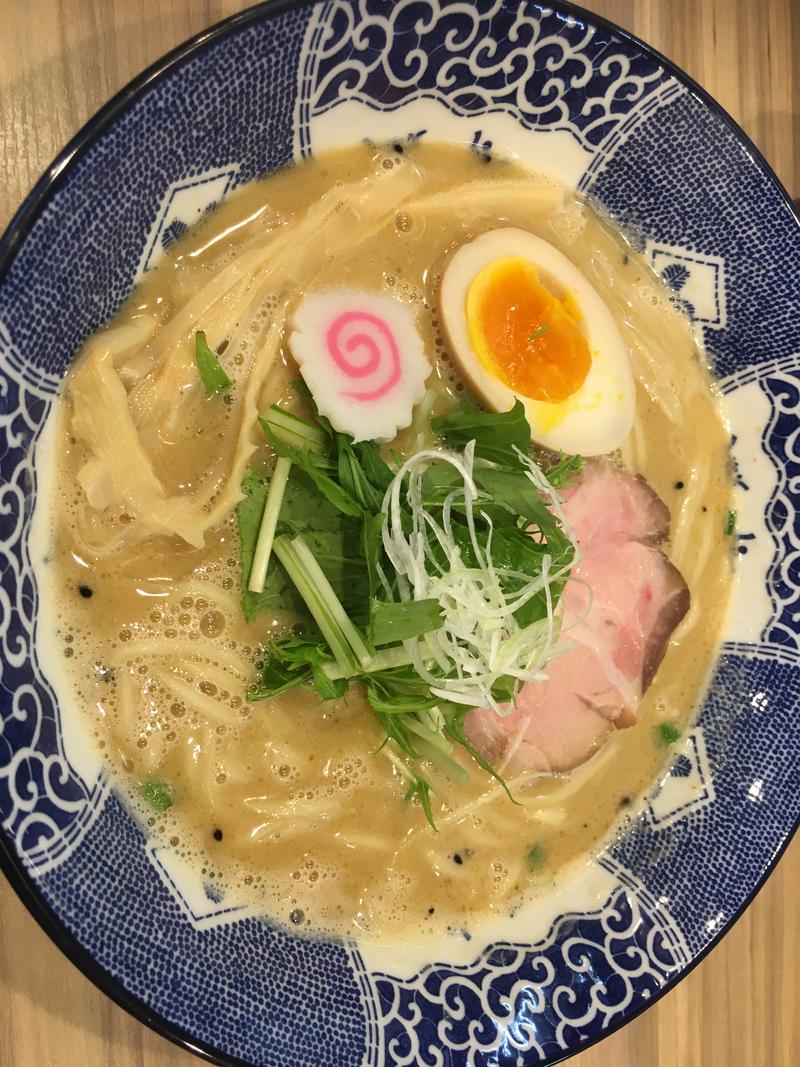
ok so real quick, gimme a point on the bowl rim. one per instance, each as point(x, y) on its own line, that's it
point(20, 225)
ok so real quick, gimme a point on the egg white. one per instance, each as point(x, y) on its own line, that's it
point(598, 417)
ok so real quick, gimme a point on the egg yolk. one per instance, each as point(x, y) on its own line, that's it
point(523, 334)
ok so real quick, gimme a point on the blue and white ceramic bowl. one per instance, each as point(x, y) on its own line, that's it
point(605, 113)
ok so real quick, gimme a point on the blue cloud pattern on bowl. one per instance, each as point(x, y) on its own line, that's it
point(610, 116)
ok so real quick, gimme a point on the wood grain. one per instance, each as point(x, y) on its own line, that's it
point(59, 61)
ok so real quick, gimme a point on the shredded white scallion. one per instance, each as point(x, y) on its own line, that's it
point(480, 642)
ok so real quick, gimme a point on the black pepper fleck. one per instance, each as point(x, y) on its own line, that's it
point(624, 802)
point(86, 591)
point(217, 835)
point(397, 147)
point(679, 485)
point(457, 858)
point(431, 911)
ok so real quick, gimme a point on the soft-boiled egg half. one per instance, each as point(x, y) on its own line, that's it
point(522, 321)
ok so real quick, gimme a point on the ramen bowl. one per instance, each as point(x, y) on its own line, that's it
point(562, 91)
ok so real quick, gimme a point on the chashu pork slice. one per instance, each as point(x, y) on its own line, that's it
point(620, 607)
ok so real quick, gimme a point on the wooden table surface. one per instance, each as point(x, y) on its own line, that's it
point(59, 61)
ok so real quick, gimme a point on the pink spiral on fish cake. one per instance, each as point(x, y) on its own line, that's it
point(362, 344)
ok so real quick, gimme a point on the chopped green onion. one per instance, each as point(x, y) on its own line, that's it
point(539, 332)
point(536, 857)
point(730, 522)
point(266, 533)
point(213, 376)
point(666, 733)
point(157, 794)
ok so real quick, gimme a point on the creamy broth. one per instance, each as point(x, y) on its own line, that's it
point(286, 802)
